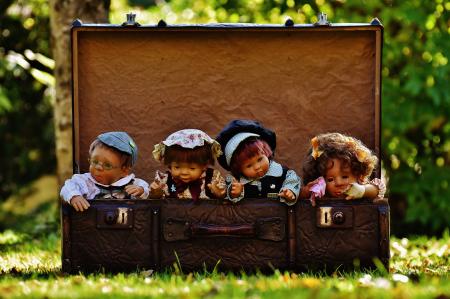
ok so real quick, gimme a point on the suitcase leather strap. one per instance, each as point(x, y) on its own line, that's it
point(272, 229)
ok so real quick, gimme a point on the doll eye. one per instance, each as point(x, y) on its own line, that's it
point(107, 166)
point(329, 180)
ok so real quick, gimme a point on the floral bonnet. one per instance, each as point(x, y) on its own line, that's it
point(187, 138)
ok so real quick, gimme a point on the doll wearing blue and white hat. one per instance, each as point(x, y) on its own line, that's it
point(248, 150)
point(111, 158)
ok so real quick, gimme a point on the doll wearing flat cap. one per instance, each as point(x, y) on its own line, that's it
point(188, 155)
point(248, 150)
point(111, 158)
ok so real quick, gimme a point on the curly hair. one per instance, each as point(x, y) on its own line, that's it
point(351, 151)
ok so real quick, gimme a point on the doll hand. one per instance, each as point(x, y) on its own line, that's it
point(287, 194)
point(355, 191)
point(317, 190)
point(79, 203)
point(217, 185)
point(157, 186)
point(156, 190)
point(318, 187)
point(217, 189)
point(134, 190)
point(236, 188)
point(313, 190)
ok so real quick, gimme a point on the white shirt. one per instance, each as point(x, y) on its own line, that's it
point(85, 185)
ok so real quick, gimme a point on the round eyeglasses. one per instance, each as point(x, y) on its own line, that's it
point(104, 165)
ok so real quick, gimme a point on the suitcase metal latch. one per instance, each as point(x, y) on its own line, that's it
point(118, 218)
point(335, 217)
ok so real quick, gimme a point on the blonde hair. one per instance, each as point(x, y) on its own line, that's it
point(351, 151)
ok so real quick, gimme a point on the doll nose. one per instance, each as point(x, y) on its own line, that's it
point(340, 182)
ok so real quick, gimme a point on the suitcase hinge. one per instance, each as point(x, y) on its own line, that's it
point(131, 20)
point(323, 21)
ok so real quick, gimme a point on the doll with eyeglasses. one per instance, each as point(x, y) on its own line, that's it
point(111, 158)
point(339, 166)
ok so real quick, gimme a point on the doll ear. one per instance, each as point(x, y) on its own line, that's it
point(126, 169)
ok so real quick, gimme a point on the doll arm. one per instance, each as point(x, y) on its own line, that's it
point(75, 186)
point(374, 189)
point(235, 190)
point(314, 190)
point(140, 188)
point(158, 188)
point(292, 183)
point(217, 185)
point(79, 203)
point(380, 185)
point(74, 190)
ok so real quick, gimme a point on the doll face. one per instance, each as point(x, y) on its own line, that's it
point(338, 178)
point(255, 167)
point(105, 166)
point(185, 171)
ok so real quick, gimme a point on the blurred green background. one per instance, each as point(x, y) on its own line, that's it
point(415, 95)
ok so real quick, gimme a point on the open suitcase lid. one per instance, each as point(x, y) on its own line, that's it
point(299, 80)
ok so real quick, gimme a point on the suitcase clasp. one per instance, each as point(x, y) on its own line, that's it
point(335, 217)
point(119, 218)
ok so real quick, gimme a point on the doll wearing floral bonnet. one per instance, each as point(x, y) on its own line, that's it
point(189, 155)
point(340, 166)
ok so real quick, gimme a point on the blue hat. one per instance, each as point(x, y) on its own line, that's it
point(237, 131)
point(121, 141)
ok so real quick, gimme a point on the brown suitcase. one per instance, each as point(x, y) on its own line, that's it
point(299, 80)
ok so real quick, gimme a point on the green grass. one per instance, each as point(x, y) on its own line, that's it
point(30, 268)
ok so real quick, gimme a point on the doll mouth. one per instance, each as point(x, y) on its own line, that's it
point(339, 194)
point(184, 179)
point(98, 178)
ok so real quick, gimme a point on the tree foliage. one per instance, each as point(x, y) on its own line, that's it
point(27, 149)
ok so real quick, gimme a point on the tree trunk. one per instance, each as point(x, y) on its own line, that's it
point(62, 14)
